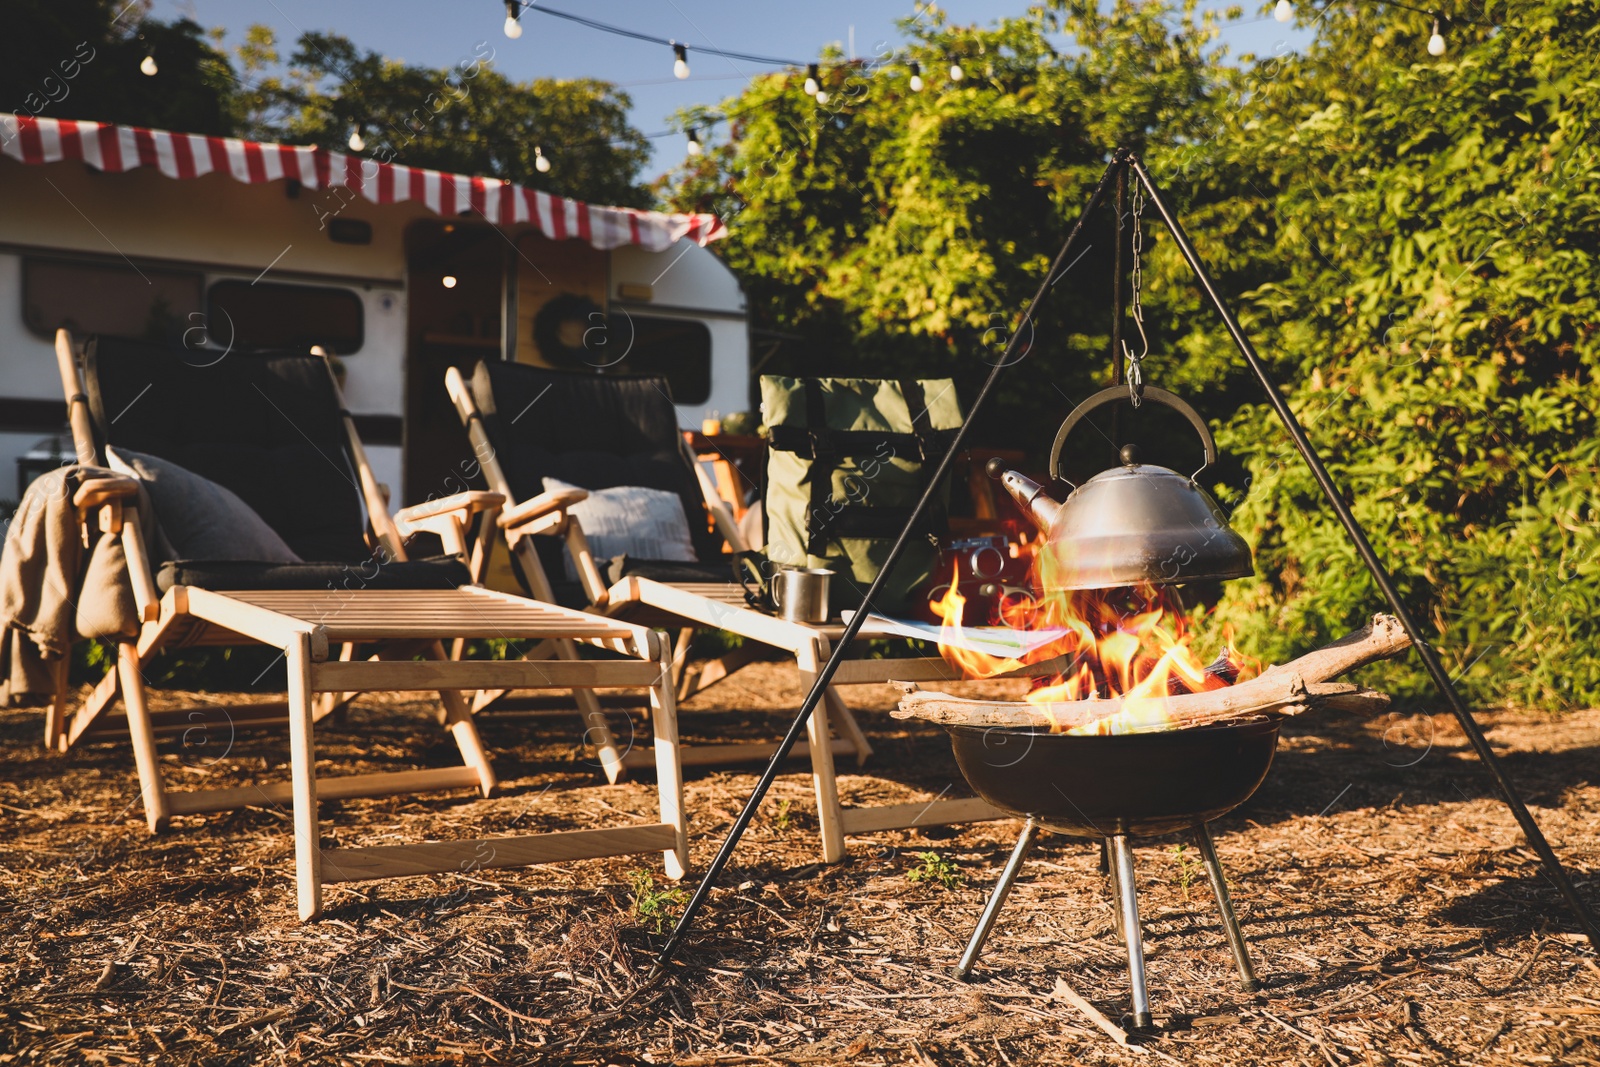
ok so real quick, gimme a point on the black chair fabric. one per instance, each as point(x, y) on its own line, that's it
point(445, 572)
point(267, 427)
point(593, 431)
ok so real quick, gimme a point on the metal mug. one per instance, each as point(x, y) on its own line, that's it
point(801, 594)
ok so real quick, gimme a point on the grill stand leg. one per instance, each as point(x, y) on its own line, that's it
point(1230, 922)
point(1128, 908)
point(997, 899)
point(1110, 870)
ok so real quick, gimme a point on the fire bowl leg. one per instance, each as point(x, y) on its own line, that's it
point(997, 899)
point(1128, 904)
point(1230, 922)
point(1110, 871)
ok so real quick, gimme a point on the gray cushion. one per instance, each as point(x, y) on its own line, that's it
point(629, 520)
point(200, 519)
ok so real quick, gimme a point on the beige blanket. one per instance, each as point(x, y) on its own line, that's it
point(54, 588)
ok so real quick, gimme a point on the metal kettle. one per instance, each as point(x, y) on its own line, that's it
point(1134, 524)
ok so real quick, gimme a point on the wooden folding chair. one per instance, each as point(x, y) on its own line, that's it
point(405, 610)
point(710, 599)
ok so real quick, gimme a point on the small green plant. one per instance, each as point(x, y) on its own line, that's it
point(935, 869)
point(651, 904)
point(783, 820)
point(1188, 868)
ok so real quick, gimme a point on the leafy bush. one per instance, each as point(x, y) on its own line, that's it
point(1410, 240)
point(1436, 225)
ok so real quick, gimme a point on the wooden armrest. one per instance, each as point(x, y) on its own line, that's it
point(96, 491)
point(471, 502)
point(543, 504)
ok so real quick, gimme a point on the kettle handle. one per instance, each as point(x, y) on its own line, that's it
point(1120, 392)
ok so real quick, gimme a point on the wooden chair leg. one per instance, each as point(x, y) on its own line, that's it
point(334, 703)
point(105, 693)
point(845, 719)
point(698, 677)
point(680, 661)
point(830, 818)
point(458, 717)
point(669, 769)
point(55, 716)
point(596, 731)
point(303, 761)
point(143, 736)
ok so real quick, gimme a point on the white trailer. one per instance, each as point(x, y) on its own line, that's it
point(231, 246)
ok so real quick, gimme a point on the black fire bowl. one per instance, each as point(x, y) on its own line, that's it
point(1113, 789)
point(1139, 785)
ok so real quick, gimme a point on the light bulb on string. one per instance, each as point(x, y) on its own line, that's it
point(448, 281)
point(956, 73)
point(1436, 42)
point(513, 25)
point(680, 65)
point(540, 163)
point(916, 77)
point(147, 66)
point(358, 143)
point(693, 146)
point(1284, 11)
point(811, 85)
point(822, 96)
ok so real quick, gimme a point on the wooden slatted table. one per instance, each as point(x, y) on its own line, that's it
point(305, 624)
point(722, 605)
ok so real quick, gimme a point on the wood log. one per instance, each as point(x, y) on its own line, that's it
point(1381, 638)
point(1283, 690)
point(1280, 695)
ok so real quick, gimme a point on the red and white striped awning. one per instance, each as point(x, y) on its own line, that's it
point(115, 149)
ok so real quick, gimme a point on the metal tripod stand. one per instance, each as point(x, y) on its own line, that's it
point(1124, 164)
point(1125, 912)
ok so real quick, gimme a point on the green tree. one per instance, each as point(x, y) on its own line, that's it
point(1410, 239)
point(80, 59)
point(892, 231)
point(1435, 224)
point(467, 118)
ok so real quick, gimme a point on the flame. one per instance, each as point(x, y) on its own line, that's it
point(1132, 644)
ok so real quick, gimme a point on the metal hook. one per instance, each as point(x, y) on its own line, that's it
point(1135, 374)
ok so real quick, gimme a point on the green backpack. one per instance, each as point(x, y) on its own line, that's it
point(848, 460)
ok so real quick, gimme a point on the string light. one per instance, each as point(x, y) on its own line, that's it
point(147, 66)
point(358, 143)
point(540, 163)
point(1282, 11)
point(448, 281)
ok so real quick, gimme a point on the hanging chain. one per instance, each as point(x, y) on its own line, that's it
point(1135, 374)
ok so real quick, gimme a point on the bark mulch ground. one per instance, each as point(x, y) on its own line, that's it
point(1393, 912)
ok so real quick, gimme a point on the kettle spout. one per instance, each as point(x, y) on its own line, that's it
point(1029, 495)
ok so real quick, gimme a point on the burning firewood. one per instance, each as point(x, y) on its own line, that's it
point(1288, 689)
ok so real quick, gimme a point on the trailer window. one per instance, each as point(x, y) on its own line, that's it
point(112, 299)
point(678, 350)
point(265, 315)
